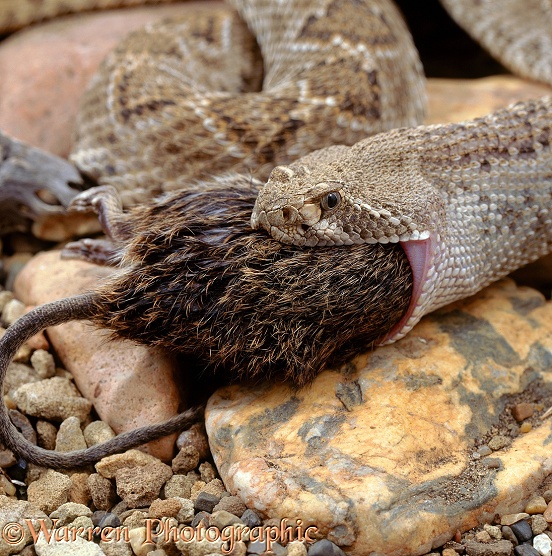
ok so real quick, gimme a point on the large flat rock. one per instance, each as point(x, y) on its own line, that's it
point(381, 456)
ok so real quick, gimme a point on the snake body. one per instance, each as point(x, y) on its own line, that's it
point(468, 202)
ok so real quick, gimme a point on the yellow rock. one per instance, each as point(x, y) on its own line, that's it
point(378, 455)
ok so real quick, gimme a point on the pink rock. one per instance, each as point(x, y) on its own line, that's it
point(46, 68)
point(129, 385)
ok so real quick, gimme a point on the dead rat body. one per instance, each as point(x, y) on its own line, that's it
point(196, 279)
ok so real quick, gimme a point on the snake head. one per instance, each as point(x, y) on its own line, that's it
point(317, 207)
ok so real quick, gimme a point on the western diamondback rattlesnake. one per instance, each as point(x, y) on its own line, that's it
point(146, 170)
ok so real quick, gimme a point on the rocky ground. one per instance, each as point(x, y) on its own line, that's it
point(437, 445)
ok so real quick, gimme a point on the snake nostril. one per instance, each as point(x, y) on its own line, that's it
point(287, 214)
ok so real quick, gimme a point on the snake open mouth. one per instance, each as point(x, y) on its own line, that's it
point(420, 255)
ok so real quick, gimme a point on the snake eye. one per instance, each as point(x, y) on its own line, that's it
point(330, 200)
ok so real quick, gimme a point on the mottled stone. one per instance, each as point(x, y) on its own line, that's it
point(522, 411)
point(510, 519)
point(69, 436)
point(14, 511)
point(66, 513)
point(46, 433)
point(197, 437)
point(140, 486)
point(186, 460)
point(537, 505)
point(55, 398)
point(50, 491)
point(498, 548)
point(108, 466)
point(394, 473)
point(543, 545)
point(522, 531)
point(43, 363)
point(207, 472)
point(538, 524)
point(324, 548)
point(80, 491)
point(164, 508)
point(178, 486)
point(102, 491)
point(232, 504)
point(67, 548)
point(97, 432)
point(493, 530)
point(130, 385)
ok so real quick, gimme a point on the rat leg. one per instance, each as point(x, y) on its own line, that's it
point(105, 202)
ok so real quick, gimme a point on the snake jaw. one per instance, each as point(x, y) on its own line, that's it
point(421, 255)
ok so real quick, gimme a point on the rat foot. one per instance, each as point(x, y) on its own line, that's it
point(98, 251)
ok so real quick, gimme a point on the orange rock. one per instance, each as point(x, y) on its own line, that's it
point(129, 385)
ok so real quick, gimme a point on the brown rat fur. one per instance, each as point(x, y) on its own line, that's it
point(196, 279)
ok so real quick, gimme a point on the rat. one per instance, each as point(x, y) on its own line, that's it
point(194, 278)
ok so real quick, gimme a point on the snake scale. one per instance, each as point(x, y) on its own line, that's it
point(467, 202)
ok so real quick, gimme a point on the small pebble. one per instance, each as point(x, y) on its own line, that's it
point(251, 518)
point(296, 548)
point(5, 298)
point(522, 411)
point(68, 512)
point(525, 428)
point(483, 536)
point(497, 548)
point(543, 545)
point(69, 436)
point(105, 519)
point(186, 513)
point(197, 437)
point(46, 433)
point(256, 547)
point(547, 495)
point(222, 519)
point(449, 552)
point(50, 491)
point(499, 442)
point(97, 432)
point(80, 493)
point(537, 505)
point(491, 463)
point(7, 458)
point(140, 486)
point(178, 486)
point(6, 487)
point(205, 502)
point(12, 310)
point(538, 524)
point(324, 547)
point(493, 531)
point(525, 550)
point(201, 516)
point(186, 460)
point(207, 472)
point(43, 363)
point(548, 512)
point(508, 519)
point(277, 549)
point(484, 450)
point(137, 541)
point(102, 491)
point(232, 504)
point(522, 531)
point(164, 508)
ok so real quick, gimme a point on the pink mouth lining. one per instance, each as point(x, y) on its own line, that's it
point(420, 254)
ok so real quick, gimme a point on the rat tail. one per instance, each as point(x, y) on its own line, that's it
point(72, 308)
